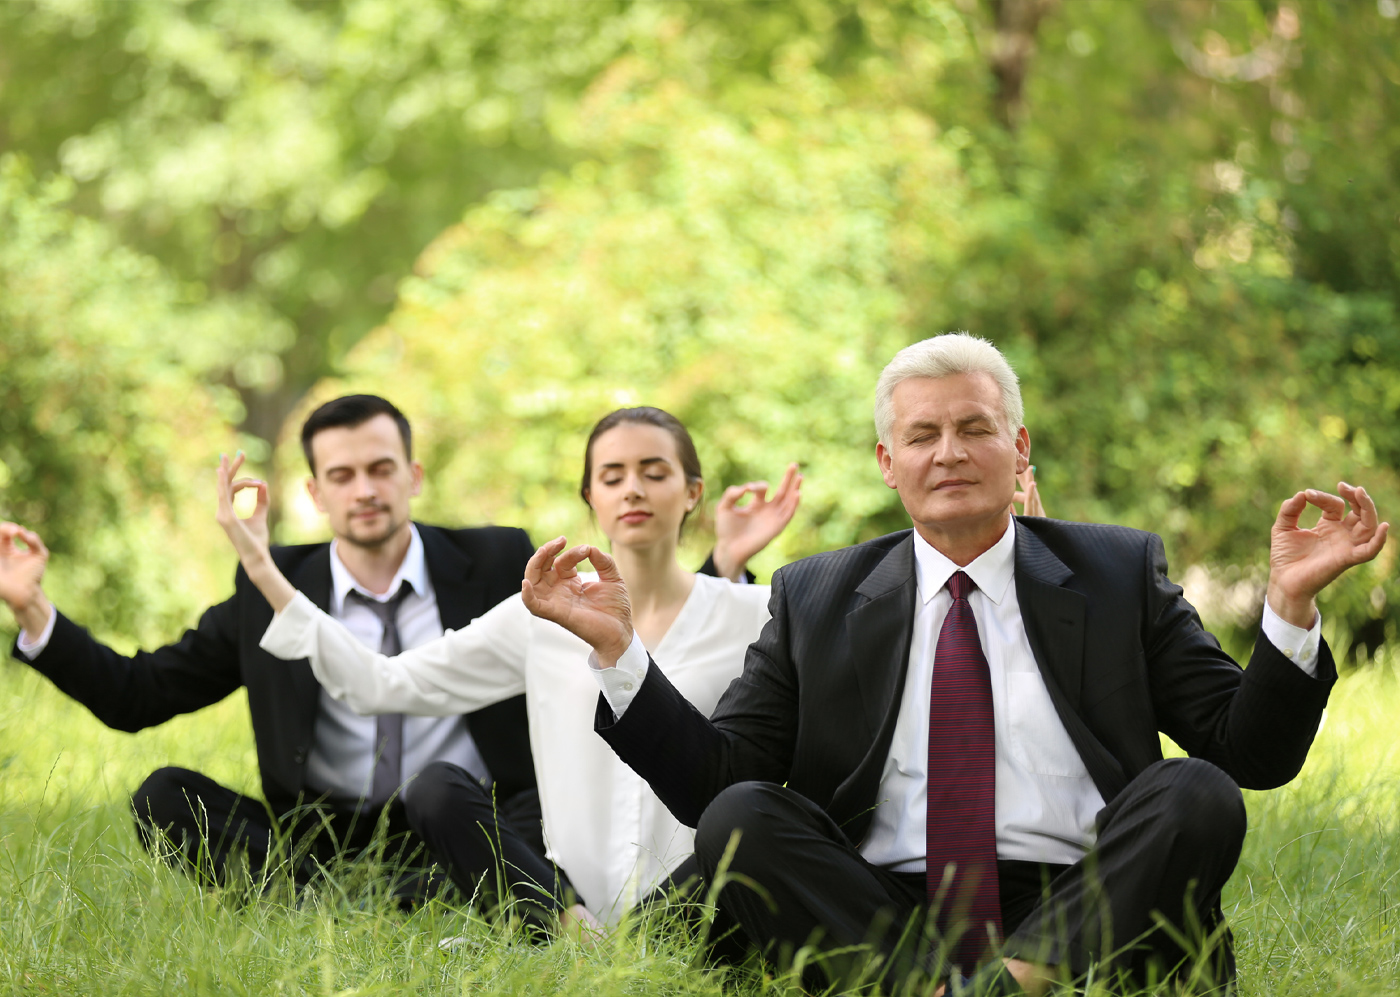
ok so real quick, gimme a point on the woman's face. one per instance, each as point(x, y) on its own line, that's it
point(638, 490)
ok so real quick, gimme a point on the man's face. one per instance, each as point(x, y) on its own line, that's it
point(951, 456)
point(364, 480)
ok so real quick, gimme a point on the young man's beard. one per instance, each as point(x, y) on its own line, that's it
point(378, 538)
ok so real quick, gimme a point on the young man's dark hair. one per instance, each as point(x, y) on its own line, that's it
point(350, 411)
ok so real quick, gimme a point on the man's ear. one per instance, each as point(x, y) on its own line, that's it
point(417, 471)
point(315, 493)
point(1023, 450)
point(882, 454)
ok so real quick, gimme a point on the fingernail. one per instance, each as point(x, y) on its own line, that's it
point(1032, 469)
point(239, 454)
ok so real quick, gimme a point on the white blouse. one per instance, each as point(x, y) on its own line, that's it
point(602, 824)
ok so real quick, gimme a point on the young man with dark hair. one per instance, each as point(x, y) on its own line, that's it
point(330, 777)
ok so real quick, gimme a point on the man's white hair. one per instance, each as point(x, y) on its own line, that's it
point(943, 356)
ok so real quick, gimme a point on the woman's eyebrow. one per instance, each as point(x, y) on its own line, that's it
point(618, 465)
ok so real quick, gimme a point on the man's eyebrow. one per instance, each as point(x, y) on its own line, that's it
point(966, 420)
point(644, 462)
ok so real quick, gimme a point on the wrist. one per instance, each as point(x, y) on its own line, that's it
point(609, 656)
point(727, 565)
point(269, 580)
point(1296, 610)
point(33, 616)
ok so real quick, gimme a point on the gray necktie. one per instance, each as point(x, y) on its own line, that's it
point(388, 727)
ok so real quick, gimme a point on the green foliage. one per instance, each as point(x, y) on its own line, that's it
point(740, 265)
point(295, 155)
point(105, 415)
point(1195, 347)
point(748, 249)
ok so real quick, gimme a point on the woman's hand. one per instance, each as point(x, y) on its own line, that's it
point(743, 531)
point(598, 613)
point(1028, 493)
point(250, 537)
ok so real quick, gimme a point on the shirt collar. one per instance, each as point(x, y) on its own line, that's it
point(991, 571)
point(413, 570)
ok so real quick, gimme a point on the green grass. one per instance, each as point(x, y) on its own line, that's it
point(83, 910)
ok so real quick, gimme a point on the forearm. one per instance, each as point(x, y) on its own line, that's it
point(34, 614)
point(263, 572)
point(1296, 608)
point(680, 754)
point(727, 564)
point(460, 672)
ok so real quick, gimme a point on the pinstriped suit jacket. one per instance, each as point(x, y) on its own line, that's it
point(1123, 655)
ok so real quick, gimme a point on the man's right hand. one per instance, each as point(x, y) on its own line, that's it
point(598, 613)
point(22, 560)
point(250, 537)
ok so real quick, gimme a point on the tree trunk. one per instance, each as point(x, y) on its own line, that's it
point(1012, 49)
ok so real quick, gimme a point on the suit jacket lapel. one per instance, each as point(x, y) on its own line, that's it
point(879, 631)
point(1053, 616)
point(449, 567)
point(313, 578)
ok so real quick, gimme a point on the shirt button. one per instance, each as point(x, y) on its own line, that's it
point(1288, 652)
point(627, 687)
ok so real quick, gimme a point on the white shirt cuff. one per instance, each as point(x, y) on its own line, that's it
point(292, 632)
point(31, 649)
point(621, 682)
point(1298, 645)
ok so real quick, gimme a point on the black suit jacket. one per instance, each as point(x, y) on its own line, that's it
point(1121, 651)
point(471, 570)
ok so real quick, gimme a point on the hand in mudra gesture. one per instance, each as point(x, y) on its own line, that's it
point(250, 536)
point(1304, 562)
point(22, 560)
point(597, 612)
point(741, 531)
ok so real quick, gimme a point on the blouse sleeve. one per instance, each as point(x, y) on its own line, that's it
point(461, 671)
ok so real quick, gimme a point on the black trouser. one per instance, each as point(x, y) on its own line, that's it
point(1166, 846)
point(467, 833)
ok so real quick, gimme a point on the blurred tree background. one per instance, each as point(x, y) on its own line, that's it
point(1181, 220)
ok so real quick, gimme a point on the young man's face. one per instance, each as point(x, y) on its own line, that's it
point(364, 481)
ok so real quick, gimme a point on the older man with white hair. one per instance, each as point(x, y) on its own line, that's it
point(943, 751)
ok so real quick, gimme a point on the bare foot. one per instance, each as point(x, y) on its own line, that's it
point(579, 924)
point(1034, 980)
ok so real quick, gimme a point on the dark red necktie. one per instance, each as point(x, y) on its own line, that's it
point(962, 784)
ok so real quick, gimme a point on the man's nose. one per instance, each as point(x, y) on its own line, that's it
point(949, 449)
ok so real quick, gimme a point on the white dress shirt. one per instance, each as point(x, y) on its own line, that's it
point(1046, 801)
point(340, 763)
point(603, 825)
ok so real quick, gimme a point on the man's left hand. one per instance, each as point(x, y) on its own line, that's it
point(1304, 562)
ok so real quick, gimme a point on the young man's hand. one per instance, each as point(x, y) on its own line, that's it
point(23, 557)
